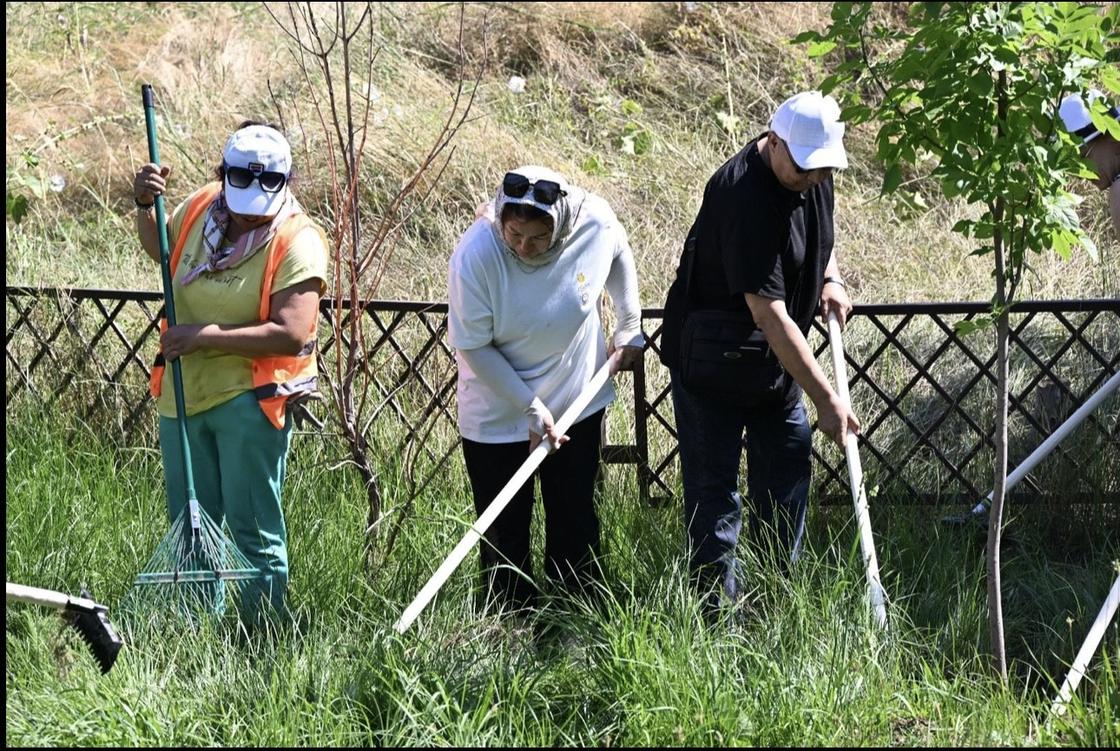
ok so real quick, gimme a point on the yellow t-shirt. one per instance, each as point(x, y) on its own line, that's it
point(231, 296)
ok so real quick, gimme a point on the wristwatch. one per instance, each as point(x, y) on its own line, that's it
point(835, 280)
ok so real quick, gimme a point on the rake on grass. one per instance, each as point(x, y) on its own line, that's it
point(478, 529)
point(979, 512)
point(90, 619)
point(855, 480)
point(195, 553)
point(1092, 641)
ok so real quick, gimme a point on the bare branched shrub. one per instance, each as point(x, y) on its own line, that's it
point(335, 47)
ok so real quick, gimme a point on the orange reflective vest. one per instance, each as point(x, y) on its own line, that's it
point(275, 378)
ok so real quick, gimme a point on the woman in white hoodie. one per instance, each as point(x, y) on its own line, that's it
point(525, 284)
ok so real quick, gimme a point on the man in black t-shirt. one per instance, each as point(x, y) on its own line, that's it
point(762, 244)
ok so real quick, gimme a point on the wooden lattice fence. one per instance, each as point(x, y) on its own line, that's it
point(924, 394)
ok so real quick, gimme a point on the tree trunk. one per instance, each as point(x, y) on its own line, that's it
point(360, 455)
point(995, 519)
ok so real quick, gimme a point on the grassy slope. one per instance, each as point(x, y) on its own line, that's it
point(594, 73)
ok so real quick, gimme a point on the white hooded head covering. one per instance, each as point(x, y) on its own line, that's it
point(564, 212)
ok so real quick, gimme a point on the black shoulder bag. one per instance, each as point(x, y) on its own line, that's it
point(724, 356)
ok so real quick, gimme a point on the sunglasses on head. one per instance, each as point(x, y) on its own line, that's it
point(544, 191)
point(242, 177)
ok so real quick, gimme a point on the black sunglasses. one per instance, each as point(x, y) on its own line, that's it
point(544, 191)
point(241, 177)
point(796, 167)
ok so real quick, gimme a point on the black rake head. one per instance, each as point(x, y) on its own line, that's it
point(94, 627)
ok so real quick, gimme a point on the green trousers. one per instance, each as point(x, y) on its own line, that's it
point(238, 459)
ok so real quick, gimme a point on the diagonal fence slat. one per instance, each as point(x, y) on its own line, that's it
point(924, 393)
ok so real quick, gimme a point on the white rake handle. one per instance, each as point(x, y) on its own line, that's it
point(1088, 649)
point(478, 529)
point(1047, 446)
point(48, 598)
point(855, 479)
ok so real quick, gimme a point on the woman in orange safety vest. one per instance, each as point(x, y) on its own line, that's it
point(248, 270)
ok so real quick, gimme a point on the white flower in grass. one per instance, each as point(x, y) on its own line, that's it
point(689, 7)
point(397, 111)
point(57, 183)
point(373, 94)
point(380, 116)
point(516, 84)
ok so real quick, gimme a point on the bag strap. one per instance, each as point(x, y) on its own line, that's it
point(689, 257)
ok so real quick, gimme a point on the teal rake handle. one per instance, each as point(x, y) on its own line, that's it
point(169, 304)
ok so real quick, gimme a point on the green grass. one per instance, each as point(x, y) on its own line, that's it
point(806, 668)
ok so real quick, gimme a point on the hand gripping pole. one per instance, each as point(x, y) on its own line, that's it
point(478, 529)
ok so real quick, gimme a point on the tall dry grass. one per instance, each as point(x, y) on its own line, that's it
point(662, 74)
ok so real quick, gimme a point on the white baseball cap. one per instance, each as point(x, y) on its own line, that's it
point(1075, 115)
point(810, 125)
point(257, 148)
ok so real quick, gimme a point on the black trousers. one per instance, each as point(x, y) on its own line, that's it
point(567, 479)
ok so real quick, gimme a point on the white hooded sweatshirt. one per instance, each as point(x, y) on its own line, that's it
point(527, 334)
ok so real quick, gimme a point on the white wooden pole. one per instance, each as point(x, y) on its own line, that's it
point(478, 529)
point(855, 480)
point(46, 597)
point(1047, 446)
point(1088, 649)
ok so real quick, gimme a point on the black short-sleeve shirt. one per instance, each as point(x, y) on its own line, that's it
point(754, 236)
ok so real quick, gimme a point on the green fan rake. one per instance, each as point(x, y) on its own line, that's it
point(195, 562)
point(193, 566)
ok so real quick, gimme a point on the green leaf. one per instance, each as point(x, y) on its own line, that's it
point(1110, 78)
point(892, 179)
point(16, 207)
point(630, 108)
point(35, 185)
point(980, 84)
point(1006, 56)
point(1090, 247)
point(643, 142)
point(593, 165)
point(1104, 122)
point(831, 82)
point(817, 49)
point(964, 328)
point(856, 113)
point(1061, 240)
